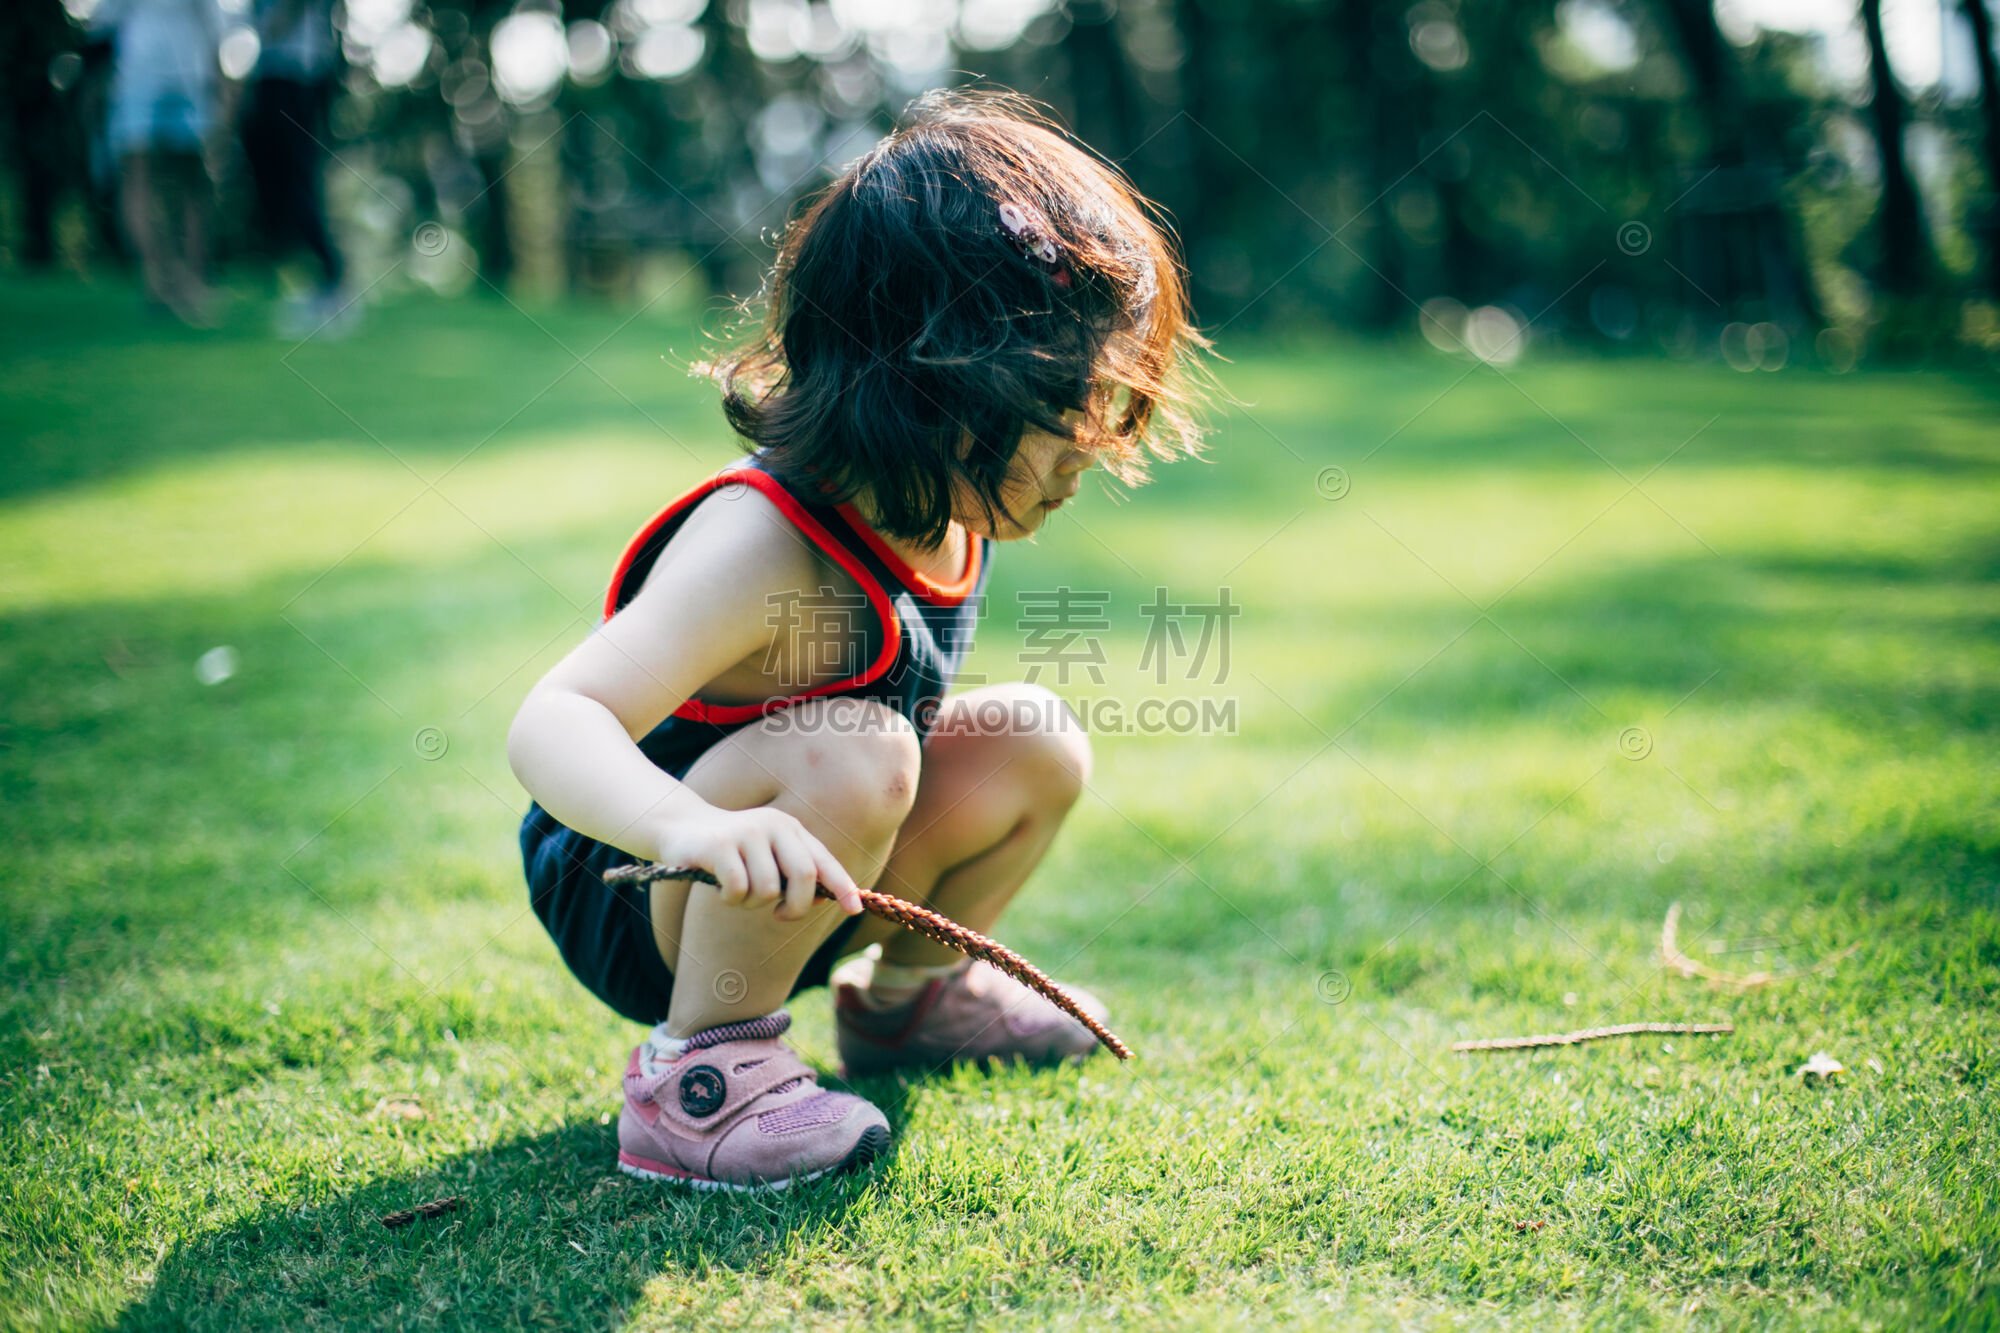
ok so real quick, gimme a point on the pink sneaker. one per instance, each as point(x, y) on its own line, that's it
point(739, 1111)
point(978, 1013)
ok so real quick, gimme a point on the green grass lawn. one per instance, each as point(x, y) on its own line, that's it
point(1574, 643)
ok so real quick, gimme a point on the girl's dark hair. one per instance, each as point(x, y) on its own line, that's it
point(915, 329)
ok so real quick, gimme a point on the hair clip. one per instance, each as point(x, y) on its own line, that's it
point(1030, 233)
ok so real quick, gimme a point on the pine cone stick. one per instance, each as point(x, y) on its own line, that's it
point(928, 924)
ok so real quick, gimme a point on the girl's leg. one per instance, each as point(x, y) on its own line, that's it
point(848, 770)
point(1001, 769)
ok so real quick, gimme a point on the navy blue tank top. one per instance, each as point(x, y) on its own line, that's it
point(920, 634)
point(926, 627)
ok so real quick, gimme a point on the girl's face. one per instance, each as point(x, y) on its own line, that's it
point(1046, 472)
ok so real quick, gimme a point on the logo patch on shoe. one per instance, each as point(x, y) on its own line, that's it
point(703, 1091)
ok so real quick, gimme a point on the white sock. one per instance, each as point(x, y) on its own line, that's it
point(898, 983)
point(659, 1048)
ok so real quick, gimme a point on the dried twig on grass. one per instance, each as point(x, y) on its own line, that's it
point(928, 924)
point(1671, 956)
point(1594, 1034)
point(435, 1208)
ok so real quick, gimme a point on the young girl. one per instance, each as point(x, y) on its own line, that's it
point(970, 317)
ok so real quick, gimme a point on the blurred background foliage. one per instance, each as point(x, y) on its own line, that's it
point(1761, 181)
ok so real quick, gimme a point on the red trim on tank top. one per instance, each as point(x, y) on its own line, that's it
point(694, 710)
point(918, 582)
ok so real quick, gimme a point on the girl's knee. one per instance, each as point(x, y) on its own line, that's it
point(1062, 752)
point(856, 763)
point(1047, 744)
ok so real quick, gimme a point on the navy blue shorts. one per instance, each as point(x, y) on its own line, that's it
point(605, 933)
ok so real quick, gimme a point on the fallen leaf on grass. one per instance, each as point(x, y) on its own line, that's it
point(398, 1108)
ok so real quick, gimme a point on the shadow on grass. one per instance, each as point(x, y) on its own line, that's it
point(548, 1235)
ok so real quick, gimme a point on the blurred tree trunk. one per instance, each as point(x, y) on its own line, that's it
point(1740, 239)
point(736, 90)
point(39, 133)
point(1904, 260)
point(495, 217)
point(1987, 224)
point(1197, 89)
point(1381, 150)
point(1103, 92)
point(1208, 197)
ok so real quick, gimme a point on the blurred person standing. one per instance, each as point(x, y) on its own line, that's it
point(284, 140)
point(164, 92)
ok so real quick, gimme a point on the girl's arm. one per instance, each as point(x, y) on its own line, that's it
point(704, 607)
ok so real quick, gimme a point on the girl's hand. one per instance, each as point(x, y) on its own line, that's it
point(763, 857)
